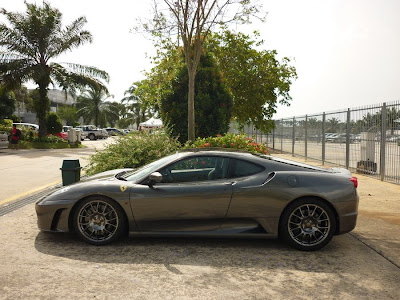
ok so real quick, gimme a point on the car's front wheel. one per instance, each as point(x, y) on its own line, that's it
point(307, 224)
point(99, 220)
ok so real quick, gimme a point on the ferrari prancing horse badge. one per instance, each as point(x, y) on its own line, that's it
point(123, 188)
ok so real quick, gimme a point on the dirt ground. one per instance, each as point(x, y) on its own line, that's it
point(361, 265)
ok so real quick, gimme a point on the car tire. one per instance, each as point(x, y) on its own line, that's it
point(307, 224)
point(98, 220)
point(92, 137)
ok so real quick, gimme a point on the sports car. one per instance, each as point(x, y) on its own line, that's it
point(210, 192)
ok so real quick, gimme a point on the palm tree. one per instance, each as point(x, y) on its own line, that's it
point(333, 125)
point(137, 110)
point(92, 106)
point(33, 39)
point(114, 112)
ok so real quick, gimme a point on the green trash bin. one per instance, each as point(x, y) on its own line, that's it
point(70, 171)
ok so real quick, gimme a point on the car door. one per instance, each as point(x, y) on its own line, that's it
point(193, 196)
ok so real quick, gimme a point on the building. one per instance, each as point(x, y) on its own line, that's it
point(57, 99)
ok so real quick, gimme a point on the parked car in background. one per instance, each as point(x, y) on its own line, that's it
point(25, 126)
point(3, 139)
point(114, 131)
point(63, 135)
point(355, 138)
point(92, 132)
point(330, 137)
point(66, 128)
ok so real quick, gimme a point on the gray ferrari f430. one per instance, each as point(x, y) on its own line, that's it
point(208, 193)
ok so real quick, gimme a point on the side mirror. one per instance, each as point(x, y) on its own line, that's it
point(155, 178)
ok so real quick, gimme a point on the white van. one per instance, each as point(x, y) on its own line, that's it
point(27, 126)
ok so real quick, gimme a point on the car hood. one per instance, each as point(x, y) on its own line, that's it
point(106, 175)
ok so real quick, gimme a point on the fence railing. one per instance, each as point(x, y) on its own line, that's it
point(365, 139)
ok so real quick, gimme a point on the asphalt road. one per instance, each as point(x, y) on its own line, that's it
point(35, 265)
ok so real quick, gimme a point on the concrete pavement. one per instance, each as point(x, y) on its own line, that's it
point(26, 171)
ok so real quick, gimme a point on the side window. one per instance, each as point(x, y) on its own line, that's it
point(242, 168)
point(200, 168)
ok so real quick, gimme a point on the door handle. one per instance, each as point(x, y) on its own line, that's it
point(230, 183)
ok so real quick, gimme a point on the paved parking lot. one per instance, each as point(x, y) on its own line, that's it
point(361, 265)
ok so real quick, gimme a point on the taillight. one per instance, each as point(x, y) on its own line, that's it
point(354, 181)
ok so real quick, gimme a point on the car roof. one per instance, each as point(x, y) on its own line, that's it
point(255, 157)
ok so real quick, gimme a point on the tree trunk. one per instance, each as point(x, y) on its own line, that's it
point(42, 111)
point(191, 119)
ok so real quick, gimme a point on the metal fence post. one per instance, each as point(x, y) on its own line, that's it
point(293, 135)
point(273, 138)
point(383, 142)
point(282, 136)
point(323, 137)
point(348, 139)
point(305, 137)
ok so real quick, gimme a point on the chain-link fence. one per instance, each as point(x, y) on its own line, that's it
point(365, 140)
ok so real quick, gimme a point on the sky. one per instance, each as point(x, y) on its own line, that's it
point(346, 52)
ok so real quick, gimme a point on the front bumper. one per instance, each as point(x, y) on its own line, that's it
point(53, 215)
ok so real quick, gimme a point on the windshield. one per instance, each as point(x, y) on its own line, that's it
point(146, 170)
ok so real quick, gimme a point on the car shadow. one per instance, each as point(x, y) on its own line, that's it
point(212, 252)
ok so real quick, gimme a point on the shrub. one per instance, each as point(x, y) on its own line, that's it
point(132, 151)
point(241, 142)
point(6, 123)
point(54, 123)
point(47, 139)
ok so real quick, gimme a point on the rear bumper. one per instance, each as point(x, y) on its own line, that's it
point(348, 213)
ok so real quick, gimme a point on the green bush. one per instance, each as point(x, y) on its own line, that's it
point(47, 145)
point(233, 141)
point(132, 151)
point(54, 123)
point(47, 139)
point(136, 150)
point(6, 123)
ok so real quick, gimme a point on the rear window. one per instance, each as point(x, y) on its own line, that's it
point(241, 168)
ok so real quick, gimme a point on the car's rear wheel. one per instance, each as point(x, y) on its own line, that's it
point(99, 220)
point(307, 224)
point(92, 137)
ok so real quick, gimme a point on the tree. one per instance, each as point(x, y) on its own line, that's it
point(22, 98)
point(7, 105)
point(213, 102)
point(31, 42)
point(333, 125)
point(114, 112)
point(142, 99)
point(92, 106)
point(68, 114)
point(257, 79)
point(194, 21)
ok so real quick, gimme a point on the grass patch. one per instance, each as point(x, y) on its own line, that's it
point(46, 145)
